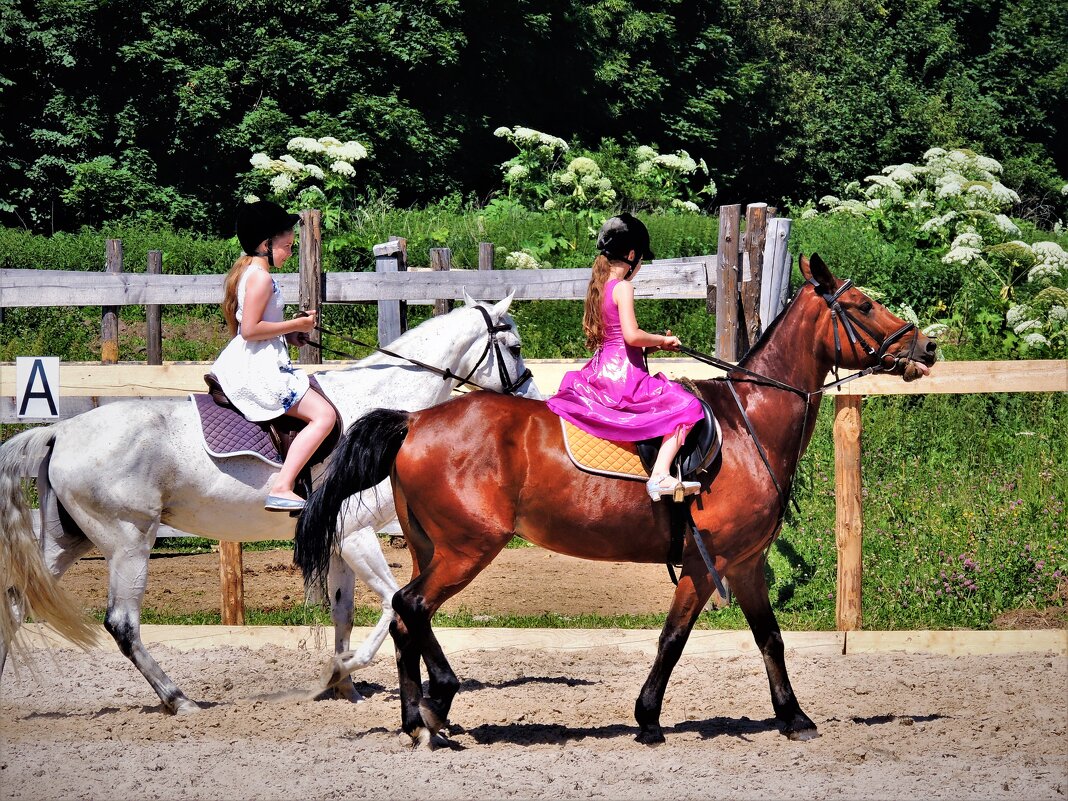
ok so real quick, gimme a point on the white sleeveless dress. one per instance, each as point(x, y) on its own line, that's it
point(258, 377)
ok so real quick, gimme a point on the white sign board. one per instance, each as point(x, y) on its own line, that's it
point(37, 390)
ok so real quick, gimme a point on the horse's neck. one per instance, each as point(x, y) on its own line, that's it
point(784, 420)
point(384, 381)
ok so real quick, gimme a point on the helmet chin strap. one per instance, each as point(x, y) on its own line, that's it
point(269, 255)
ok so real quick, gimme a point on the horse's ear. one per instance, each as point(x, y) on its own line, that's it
point(501, 308)
point(815, 270)
point(469, 301)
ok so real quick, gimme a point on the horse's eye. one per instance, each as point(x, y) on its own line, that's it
point(866, 307)
point(515, 350)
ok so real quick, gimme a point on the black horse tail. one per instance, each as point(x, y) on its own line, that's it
point(363, 458)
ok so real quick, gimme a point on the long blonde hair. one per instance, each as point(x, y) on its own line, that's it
point(593, 315)
point(229, 303)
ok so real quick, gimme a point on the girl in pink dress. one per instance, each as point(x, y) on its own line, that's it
point(613, 396)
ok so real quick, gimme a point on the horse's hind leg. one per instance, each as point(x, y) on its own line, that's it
point(127, 578)
point(363, 558)
point(750, 588)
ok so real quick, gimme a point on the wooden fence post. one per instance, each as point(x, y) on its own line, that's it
point(727, 284)
point(154, 315)
point(390, 257)
point(311, 276)
point(775, 284)
point(485, 255)
point(231, 584)
point(752, 274)
point(849, 512)
point(441, 259)
point(109, 317)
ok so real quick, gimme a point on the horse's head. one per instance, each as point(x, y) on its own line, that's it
point(858, 332)
point(501, 366)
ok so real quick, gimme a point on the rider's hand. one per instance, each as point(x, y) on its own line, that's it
point(671, 342)
point(305, 321)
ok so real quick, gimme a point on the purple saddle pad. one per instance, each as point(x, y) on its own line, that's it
point(228, 433)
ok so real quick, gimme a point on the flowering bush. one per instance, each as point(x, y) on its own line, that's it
point(955, 205)
point(322, 178)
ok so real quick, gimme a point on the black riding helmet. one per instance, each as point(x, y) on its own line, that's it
point(259, 221)
point(620, 235)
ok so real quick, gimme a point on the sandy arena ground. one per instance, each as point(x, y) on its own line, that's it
point(553, 723)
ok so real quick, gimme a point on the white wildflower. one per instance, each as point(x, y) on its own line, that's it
point(935, 330)
point(808, 214)
point(260, 161)
point(521, 260)
point(968, 239)
point(685, 205)
point(901, 173)
point(1043, 272)
point(938, 222)
point(1006, 225)
point(1064, 189)
point(584, 166)
point(565, 178)
point(251, 199)
point(1035, 340)
point(516, 172)
point(1058, 313)
point(549, 204)
point(305, 144)
point(329, 141)
point(315, 171)
point(343, 168)
point(934, 153)
point(281, 183)
point(829, 200)
point(1051, 252)
point(346, 151)
point(1002, 194)
point(646, 153)
point(989, 165)
point(503, 132)
point(1016, 314)
point(291, 164)
point(874, 203)
point(645, 168)
point(950, 185)
point(1026, 325)
point(961, 255)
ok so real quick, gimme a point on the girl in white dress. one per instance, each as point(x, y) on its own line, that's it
point(254, 370)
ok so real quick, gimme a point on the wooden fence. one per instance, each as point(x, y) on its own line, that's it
point(745, 284)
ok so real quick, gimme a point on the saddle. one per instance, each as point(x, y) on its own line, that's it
point(227, 432)
point(634, 460)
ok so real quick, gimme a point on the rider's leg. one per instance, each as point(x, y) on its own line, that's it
point(314, 409)
point(661, 481)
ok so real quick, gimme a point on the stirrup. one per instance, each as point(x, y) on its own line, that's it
point(678, 490)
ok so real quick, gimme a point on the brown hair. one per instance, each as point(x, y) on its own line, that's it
point(229, 303)
point(593, 315)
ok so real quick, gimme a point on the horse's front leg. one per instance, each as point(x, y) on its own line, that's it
point(750, 588)
point(695, 587)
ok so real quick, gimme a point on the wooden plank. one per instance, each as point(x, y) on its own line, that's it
point(663, 278)
point(389, 261)
point(752, 274)
point(849, 513)
point(310, 277)
point(154, 314)
point(963, 378)
point(441, 260)
point(109, 315)
point(485, 255)
point(775, 285)
point(727, 284)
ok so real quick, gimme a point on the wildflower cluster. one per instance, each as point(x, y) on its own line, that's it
point(955, 204)
point(666, 177)
point(319, 178)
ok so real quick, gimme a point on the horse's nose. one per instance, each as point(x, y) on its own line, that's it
point(931, 347)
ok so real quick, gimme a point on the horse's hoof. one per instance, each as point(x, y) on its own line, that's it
point(186, 707)
point(333, 673)
point(650, 736)
point(434, 722)
point(802, 734)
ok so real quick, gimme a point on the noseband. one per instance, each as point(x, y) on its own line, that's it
point(850, 324)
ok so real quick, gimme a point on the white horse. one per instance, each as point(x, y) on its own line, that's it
point(111, 476)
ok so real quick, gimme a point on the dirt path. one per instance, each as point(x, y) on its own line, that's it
point(540, 724)
point(526, 581)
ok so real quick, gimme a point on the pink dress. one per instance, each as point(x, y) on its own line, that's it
point(613, 397)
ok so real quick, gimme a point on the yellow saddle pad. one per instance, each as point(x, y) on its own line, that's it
point(596, 455)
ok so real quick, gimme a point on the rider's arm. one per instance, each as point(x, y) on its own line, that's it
point(623, 295)
point(258, 288)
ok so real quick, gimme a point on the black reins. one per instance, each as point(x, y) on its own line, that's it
point(508, 386)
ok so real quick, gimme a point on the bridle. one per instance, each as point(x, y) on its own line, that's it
point(508, 385)
point(850, 324)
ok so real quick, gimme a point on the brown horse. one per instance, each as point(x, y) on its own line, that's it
point(470, 474)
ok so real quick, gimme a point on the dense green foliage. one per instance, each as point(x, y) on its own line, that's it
point(152, 111)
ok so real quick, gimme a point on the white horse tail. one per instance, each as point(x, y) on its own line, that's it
point(31, 588)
